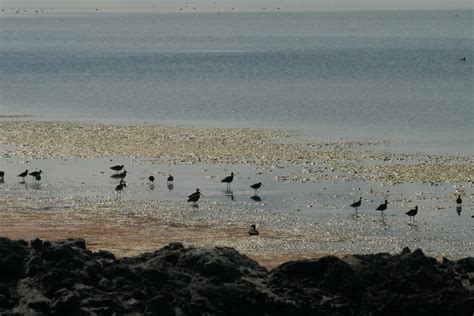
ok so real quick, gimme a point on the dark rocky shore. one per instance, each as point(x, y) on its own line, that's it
point(65, 278)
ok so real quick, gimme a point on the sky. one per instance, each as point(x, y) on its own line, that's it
point(236, 5)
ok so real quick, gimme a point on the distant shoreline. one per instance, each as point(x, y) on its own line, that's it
point(31, 11)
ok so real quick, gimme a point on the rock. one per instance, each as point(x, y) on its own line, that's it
point(13, 255)
point(35, 265)
point(65, 302)
point(37, 244)
point(405, 251)
point(65, 278)
point(161, 304)
point(465, 265)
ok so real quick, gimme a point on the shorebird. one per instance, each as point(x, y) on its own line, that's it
point(412, 213)
point(228, 180)
point(170, 179)
point(2, 174)
point(120, 187)
point(357, 204)
point(195, 197)
point(459, 200)
point(256, 186)
point(151, 179)
point(463, 59)
point(23, 175)
point(34, 174)
point(253, 230)
point(117, 168)
point(38, 178)
point(382, 207)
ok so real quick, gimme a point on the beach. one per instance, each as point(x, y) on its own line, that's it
point(210, 160)
point(304, 203)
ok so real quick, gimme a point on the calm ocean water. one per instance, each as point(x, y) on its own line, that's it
point(395, 75)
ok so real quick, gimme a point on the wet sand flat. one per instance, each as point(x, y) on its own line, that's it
point(303, 209)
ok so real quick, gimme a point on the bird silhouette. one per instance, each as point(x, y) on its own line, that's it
point(195, 197)
point(382, 207)
point(119, 188)
point(117, 168)
point(228, 180)
point(23, 175)
point(170, 178)
point(151, 179)
point(256, 186)
point(412, 213)
point(2, 175)
point(459, 200)
point(253, 230)
point(34, 174)
point(357, 204)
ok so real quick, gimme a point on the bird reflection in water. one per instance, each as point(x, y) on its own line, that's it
point(256, 198)
point(459, 210)
point(36, 186)
point(230, 194)
point(170, 186)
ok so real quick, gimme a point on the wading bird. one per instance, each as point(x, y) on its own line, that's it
point(119, 188)
point(253, 230)
point(228, 180)
point(117, 168)
point(256, 186)
point(357, 204)
point(23, 175)
point(151, 179)
point(382, 207)
point(412, 213)
point(35, 174)
point(195, 197)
